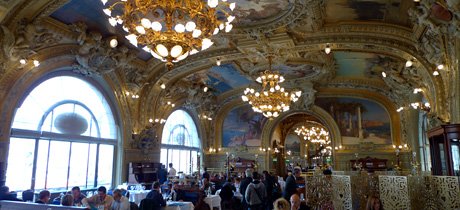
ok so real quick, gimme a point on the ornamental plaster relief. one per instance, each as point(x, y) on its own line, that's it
point(290, 36)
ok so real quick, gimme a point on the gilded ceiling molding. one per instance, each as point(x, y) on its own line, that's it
point(365, 94)
point(383, 30)
point(32, 10)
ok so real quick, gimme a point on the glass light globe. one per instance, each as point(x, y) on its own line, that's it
point(112, 21)
point(146, 23)
point(196, 33)
point(162, 50)
point(156, 26)
point(183, 56)
point(132, 38)
point(108, 12)
point(232, 6)
point(176, 51)
point(213, 3)
point(140, 29)
point(190, 26)
point(228, 28)
point(206, 43)
point(180, 28)
point(230, 18)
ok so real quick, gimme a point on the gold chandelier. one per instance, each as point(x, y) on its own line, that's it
point(272, 99)
point(314, 133)
point(171, 30)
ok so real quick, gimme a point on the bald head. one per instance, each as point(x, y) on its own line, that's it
point(295, 202)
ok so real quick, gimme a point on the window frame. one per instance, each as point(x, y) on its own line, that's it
point(189, 149)
point(38, 135)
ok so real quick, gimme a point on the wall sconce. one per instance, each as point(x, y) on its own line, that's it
point(338, 148)
point(327, 49)
point(214, 150)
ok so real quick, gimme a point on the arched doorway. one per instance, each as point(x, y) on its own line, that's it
point(292, 149)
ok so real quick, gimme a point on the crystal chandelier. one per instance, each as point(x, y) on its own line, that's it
point(314, 134)
point(171, 30)
point(272, 99)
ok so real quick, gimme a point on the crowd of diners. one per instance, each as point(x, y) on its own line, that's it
point(249, 190)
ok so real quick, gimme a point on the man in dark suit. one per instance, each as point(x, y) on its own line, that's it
point(244, 184)
point(162, 174)
point(291, 184)
point(268, 182)
point(206, 174)
point(156, 196)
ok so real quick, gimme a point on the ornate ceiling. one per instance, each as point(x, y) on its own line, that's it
point(366, 37)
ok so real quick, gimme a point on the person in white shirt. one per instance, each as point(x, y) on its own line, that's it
point(172, 171)
point(119, 201)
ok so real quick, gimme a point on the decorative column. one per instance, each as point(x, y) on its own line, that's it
point(360, 123)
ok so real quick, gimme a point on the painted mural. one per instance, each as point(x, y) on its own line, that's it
point(243, 127)
point(251, 11)
point(295, 71)
point(359, 120)
point(293, 144)
point(367, 10)
point(220, 78)
point(355, 64)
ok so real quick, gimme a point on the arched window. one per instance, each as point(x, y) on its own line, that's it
point(180, 143)
point(63, 135)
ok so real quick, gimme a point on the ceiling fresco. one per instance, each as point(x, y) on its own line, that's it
point(357, 64)
point(252, 11)
point(90, 12)
point(220, 78)
point(391, 11)
point(295, 71)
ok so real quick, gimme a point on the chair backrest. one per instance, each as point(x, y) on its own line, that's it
point(148, 204)
point(191, 196)
point(394, 192)
point(341, 195)
point(28, 195)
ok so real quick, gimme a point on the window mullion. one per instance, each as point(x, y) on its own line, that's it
point(34, 165)
point(47, 164)
point(97, 166)
point(87, 166)
point(68, 166)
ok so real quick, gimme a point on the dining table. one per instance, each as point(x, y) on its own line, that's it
point(136, 196)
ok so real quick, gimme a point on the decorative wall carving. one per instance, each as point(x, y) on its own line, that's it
point(393, 192)
point(147, 140)
point(96, 57)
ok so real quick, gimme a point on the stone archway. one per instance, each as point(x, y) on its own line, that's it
point(316, 112)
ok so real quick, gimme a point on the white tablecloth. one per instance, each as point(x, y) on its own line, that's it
point(171, 205)
point(213, 201)
point(136, 196)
